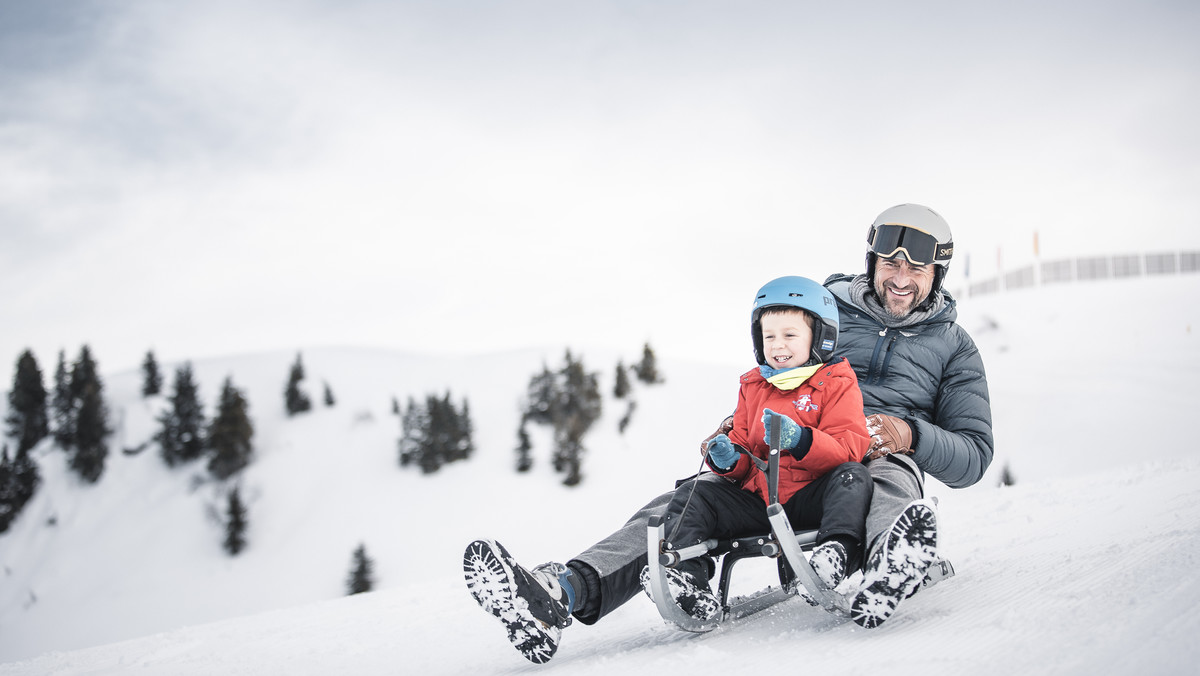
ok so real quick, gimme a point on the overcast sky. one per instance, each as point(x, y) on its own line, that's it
point(219, 177)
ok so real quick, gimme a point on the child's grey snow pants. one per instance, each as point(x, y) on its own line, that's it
point(611, 568)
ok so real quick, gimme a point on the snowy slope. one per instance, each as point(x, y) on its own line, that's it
point(1087, 564)
point(1063, 580)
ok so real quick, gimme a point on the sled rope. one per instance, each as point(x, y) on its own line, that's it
point(691, 492)
point(763, 466)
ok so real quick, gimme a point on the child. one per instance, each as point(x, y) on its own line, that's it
point(823, 437)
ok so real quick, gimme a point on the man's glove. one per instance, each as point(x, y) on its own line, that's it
point(721, 453)
point(725, 427)
point(889, 434)
point(790, 433)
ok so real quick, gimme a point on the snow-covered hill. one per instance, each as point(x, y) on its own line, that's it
point(1088, 564)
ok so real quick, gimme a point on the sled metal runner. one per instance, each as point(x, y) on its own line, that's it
point(783, 543)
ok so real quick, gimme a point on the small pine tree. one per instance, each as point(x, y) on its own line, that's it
point(621, 387)
point(8, 492)
point(62, 405)
point(569, 401)
point(91, 419)
point(524, 446)
point(28, 418)
point(294, 399)
point(362, 572)
point(579, 407)
point(435, 433)
point(230, 434)
point(329, 400)
point(542, 397)
point(647, 369)
point(235, 523)
point(181, 437)
point(395, 406)
point(460, 430)
point(628, 417)
point(1006, 476)
point(151, 376)
point(413, 424)
point(19, 479)
point(9, 507)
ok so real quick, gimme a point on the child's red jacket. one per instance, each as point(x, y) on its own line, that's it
point(829, 403)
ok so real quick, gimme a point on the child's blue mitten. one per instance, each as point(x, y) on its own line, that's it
point(790, 433)
point(721, 453)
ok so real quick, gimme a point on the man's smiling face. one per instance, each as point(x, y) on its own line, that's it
point(900, 285)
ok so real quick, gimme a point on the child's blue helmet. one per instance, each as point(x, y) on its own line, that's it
point(804, 294)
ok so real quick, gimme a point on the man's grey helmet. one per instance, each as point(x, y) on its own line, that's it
point(917, 232)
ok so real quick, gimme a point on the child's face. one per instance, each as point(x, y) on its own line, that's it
point(787, 339)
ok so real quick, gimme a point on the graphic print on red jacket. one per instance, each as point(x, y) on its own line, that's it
point(829, 403)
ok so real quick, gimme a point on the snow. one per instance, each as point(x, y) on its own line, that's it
point(1088, 564)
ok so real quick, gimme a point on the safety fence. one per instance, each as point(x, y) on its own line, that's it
point(1089, 269)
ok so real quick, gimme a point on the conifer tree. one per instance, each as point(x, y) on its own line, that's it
point(62, 405)
point(1006, 476)
point(230, 434)
point(329, 400)
point(524, 446)
point(647, 369)
point(28, 423)
point(435, 433)
point(362, 572)
point(19, 479)
point(295, 400)
point(542, 397)
point(151, 376)
point(90, 450)
point(456, 443)
point(181, 437)
point(569, 401)
point(628, 417)
point(579, 407)
point(413, 425)
point(235, 523)
point(28, 418)
point(441, 433)
point(27, 475)
point(8, 492)
point(10, 505)
point(621, 385)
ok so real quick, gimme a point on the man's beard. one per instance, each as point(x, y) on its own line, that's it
point(896, 307)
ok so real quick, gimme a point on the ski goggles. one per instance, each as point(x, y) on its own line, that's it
point(920, 248)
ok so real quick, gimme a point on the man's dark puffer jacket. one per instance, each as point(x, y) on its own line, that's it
point(931, 374)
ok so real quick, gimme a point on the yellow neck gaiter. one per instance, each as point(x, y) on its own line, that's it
point(793, 378)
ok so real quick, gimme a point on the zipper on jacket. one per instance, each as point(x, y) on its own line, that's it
point(888, 352)
point(883, 346)
point(872, 370)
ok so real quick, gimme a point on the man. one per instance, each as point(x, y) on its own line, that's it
point(926, 397)
point(924, 391)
